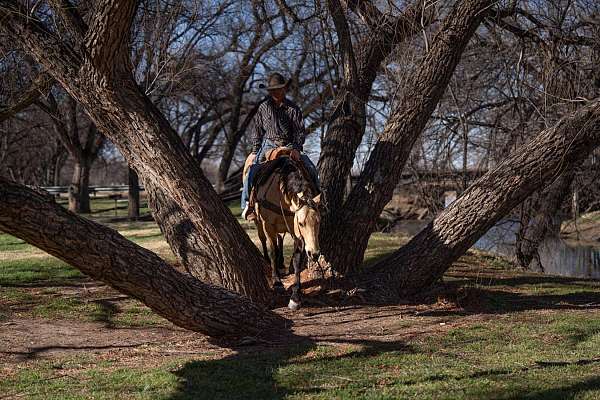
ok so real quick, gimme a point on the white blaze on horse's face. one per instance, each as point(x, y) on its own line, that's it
point(307, 221)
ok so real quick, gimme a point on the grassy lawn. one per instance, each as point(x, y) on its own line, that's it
point(504, 334)
point(103, 207)
point(514, 357)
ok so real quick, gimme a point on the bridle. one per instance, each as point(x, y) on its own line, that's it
point(305, 203)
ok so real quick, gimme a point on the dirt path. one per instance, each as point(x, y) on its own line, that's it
point(25, 339)
point(106, 325)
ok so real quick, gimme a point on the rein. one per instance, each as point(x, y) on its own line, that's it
point(291, 231)
point(272, 207)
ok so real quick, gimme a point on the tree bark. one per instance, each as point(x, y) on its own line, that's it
point(429, 254)
point(347, 124)
point(133, 195)
point(231, 143)
point(232, 140)
point(201, 154)
point(79, 193)
point(40, 86)
point(545, 222)
point(104, 254)
point(383, 169)
point(101, 80)
point(59, 163)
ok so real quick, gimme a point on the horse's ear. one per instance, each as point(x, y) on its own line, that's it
point(317, 198)
point(301, 194)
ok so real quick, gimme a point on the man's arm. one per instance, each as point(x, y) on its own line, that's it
point(299, 131)
point(258, 132)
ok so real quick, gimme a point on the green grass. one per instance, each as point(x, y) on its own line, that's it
point(524, 356)
point(516, 358)
point(34, 271)
point(380, 245)
point(128, 313)
point(234, 207)
point(520, 336)
point(82, 378)
point(28, 278)
point(11, 243)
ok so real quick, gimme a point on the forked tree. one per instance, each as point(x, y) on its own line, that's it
point(91, 61)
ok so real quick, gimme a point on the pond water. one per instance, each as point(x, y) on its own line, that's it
point(557, 256)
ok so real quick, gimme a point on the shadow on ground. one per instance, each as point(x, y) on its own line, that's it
point(561, 393)
point(254, 373)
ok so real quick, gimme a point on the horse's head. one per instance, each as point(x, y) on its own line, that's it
point(304, 203)
point(307, 221)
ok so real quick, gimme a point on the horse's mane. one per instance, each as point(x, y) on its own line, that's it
point(294, 180)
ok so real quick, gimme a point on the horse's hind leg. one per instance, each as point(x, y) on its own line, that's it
point(280, 262)
point(263, 241)
point(299, 259)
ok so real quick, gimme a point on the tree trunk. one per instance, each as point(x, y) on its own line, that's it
point(58, 166)
point(201, 154)
point(225, 163)
point(388, 158)
point(343, 137)
point(428, 255)
point(100, 79)
point(186, 242)
point(79, 194)
point(104, 254)
point(237, 131)
point(133, 195)
point(545, 223)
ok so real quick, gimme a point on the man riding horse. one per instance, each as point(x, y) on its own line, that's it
point(278, 123)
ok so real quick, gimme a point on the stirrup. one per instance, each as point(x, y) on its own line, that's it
point(248, 213)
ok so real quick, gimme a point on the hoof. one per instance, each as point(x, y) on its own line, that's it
point(292, 305)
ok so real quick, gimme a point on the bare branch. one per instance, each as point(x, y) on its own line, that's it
point(39, 87)
point(71, 18)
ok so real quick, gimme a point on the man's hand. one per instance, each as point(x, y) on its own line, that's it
point(295, 155)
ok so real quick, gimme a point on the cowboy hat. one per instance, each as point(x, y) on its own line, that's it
point(275, 81)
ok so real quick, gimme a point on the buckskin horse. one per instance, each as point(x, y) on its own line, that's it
point(286, 201)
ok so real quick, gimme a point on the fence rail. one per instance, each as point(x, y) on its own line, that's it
point(230, 194)
point(92, 189)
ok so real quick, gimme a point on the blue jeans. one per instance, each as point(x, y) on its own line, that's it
point(260, 157)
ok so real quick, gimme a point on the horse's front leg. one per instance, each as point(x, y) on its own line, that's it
point(299, 259)
point(280, 261)
point(273, 251)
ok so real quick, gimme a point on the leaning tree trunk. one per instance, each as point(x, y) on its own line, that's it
point(104, 254)
point(390, 154)
point(133, 194)
point(187, 243)
point(544, 223)
point(100, 79)
point(429, 254)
